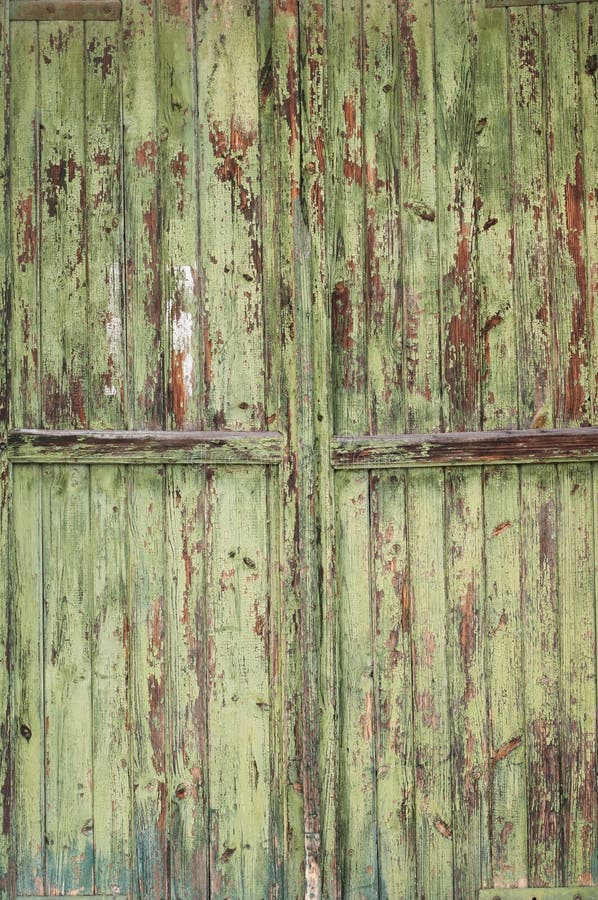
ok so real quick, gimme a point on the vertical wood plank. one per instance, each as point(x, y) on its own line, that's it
point(63, 285)
point(530, 229)
point(566, 219)
point(541, 661)
point(357, 721)
point(588, 67)
point(142, 278)
point(504, 685)
point(391, 590)
point(432, 737)
point(381, 149)
point(418, 219)
point(148, 681)
point(187, 660)
point(577, 628)
point(345, 226)
point(7, 778)
point(179, 211)
point(498, 327)
point(456, 50)
point(67, 680)
point(230, 196)
point(24, 234)
point(27, 813)
point(106, 326)
point(7, 866)
point(469, 742)
point(289, 375)
point(239, 699)
point(320, 773)
point(110, 680)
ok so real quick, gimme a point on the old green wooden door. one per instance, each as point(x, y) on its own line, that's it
point(299, 383)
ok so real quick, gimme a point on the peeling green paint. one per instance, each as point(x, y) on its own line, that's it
point(290, 283)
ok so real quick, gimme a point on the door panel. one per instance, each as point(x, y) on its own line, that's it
point(466, 719)
point(145, 699)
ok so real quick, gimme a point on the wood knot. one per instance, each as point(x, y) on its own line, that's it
point(591, 66)
point(26, 732)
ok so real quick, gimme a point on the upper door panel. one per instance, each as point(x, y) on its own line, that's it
point(136, 218)
point(462, 216)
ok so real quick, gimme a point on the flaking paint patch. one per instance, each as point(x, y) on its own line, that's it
point(182, 336)
point(113, 324)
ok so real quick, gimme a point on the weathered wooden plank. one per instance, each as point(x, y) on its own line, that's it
point(577, 630)
point(495, 223)
point(566, 219)
point(238, 684)
point(104, 227)
point(320, 769)
point(185, 448)
point(27, 812)
point(187, 669)
point(67, 679)
point(63, 352)
point(503, 3)
point(431, 728)
point(588, 67)
point(419, 239)
point(230, 196)
point(570, 893)
point(504, 682)
point(179, 212)
point(467, 689)
point(111, 632)
point(7, 864)
point(64, 10)
point(149, 877)
point(142, 257)
point(395, 772)
point(540, 620)
point(23, 151)
point(345, 225)
point(287, 289)
point(285, 671)
point(382, 248)
point(357, 717)
point(530, 235)
point(455, 43)
point(467, 448)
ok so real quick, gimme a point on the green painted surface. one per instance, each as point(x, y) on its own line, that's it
point(250, 675)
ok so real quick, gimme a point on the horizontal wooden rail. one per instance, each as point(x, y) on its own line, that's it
point(501, 4)
point(64, 10)
point(467, 448)
point(149, 447)
point(560, 893)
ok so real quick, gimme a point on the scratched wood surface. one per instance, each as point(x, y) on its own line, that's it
point(329, 656)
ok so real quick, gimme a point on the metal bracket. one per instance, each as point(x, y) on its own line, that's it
point(64, 10)
point(560, 893)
